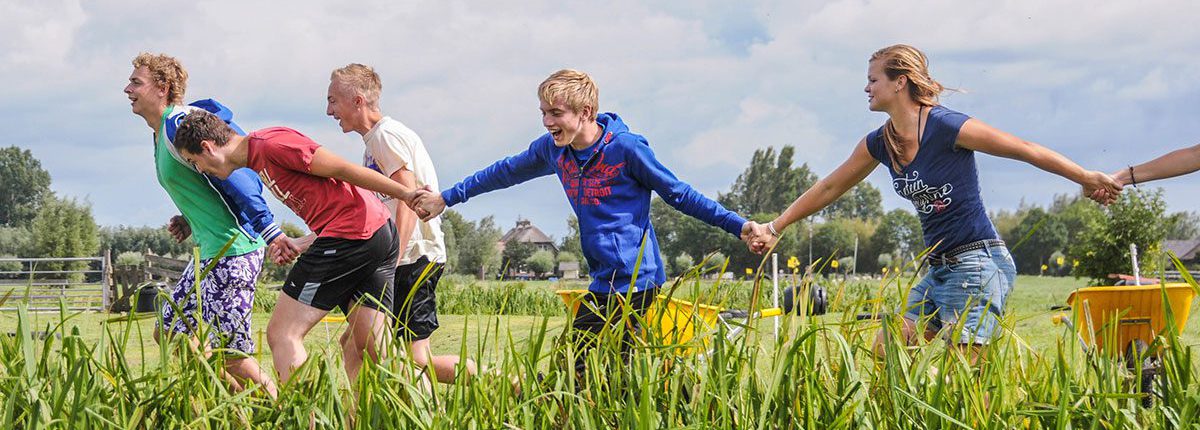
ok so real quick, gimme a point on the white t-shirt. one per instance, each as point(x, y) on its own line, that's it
point(392, 146)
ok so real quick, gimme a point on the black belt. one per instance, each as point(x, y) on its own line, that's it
point(951, 256)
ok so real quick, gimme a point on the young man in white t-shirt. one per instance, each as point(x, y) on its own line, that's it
point(397, 152)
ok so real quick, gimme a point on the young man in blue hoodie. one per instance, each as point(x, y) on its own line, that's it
point(607, 173)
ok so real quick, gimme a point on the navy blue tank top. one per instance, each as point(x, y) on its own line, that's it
point(941, 182)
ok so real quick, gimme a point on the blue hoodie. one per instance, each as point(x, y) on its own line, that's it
point(610, 193)
point(242, 191)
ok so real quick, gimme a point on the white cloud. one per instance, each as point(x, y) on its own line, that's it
point(707, 81)
point(758, 124)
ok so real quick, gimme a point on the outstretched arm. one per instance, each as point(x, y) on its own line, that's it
point(975, 135)
point(329, 165)
point(643, 166)
point(1174, 163)
point(827, 189)
point(529, 164)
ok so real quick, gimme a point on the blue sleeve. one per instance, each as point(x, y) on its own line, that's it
point(532, 163)
point(645, 168)
point(875, 145)
point(244, 190)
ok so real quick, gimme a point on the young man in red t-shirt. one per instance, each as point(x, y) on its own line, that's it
point(351, 263)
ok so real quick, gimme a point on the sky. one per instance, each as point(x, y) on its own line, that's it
point(706, 82)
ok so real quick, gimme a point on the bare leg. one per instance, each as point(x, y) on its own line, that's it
point(444, 366)
point(247, 369)
point(367, 329)
point(290, 322)
point(908, 330)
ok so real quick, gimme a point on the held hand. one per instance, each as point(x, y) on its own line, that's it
point(428, 204)
point(758, 237)
point(179, 228)
point(1102, 188)
point(282, 250)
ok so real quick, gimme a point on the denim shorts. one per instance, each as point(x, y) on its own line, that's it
point(973, 289)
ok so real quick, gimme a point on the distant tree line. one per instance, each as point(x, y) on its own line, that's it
point(1072, 236)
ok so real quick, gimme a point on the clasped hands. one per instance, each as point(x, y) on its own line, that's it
point(757, 237)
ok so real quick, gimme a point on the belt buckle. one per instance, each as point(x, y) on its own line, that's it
point(942, 260)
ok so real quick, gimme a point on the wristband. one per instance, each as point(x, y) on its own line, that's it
point(771, 228)
point(1132, 180)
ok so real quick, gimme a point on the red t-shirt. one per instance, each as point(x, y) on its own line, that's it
point(331, 207)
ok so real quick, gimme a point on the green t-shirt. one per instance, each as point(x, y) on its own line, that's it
point(211, 221)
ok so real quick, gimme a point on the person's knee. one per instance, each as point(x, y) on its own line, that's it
point(277, 334)
point(419, 352)
point(243, 367)
point(346, 341)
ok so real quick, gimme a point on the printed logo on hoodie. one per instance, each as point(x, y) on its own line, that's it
point(589, 186)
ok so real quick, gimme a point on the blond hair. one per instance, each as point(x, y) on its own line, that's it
point(361, 79)
point(913, 65)
point(167, 72)
point(574, 88)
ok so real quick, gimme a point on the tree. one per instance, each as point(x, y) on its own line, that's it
point(122, 239)
point(1035, 239)
point(769, 184)
point(681, 234)
point(571, 244)
point(1183, 226)
point(862, 201)
point(1136, 217)
point(15, 241)
point(516, 255)
point(64, 228)
point(833, 238)
point(25, 186)
point(453, 227)
point(541, 262)
point(471, 247)
point(898, 234)
point(681, 264)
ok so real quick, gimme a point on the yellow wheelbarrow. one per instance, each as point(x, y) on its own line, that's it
point(680, 322)
point(1122, 322)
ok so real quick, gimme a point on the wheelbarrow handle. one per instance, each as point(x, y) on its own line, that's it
point(770, 312)
point(1060, 318)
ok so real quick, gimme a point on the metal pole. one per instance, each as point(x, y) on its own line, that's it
point(775, 294)
point(1137, 276)
point(810, 260)
point(854, 268)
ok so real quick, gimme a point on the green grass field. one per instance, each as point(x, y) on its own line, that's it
point(1029, 307)
point(104, 370)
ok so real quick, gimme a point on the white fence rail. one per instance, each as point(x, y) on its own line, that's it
point(45, 284)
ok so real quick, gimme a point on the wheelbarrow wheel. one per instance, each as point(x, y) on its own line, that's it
point(1138, 355)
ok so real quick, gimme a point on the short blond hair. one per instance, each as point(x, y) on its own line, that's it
point(574, 88)
point(361, 79)
point(167, 72)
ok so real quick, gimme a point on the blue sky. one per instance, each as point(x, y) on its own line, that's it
point(707, 82)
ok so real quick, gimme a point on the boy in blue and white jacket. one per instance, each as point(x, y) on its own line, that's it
point(607, 173)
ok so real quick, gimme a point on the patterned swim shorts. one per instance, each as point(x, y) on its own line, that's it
point(227, 296)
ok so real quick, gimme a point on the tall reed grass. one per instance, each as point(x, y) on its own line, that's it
point(821, 373)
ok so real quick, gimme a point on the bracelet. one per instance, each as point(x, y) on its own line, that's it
point(1132, 180)
point(771, 228)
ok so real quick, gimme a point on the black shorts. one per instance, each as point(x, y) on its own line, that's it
point(339, 273)
point(588, 323)
point(414, 301)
